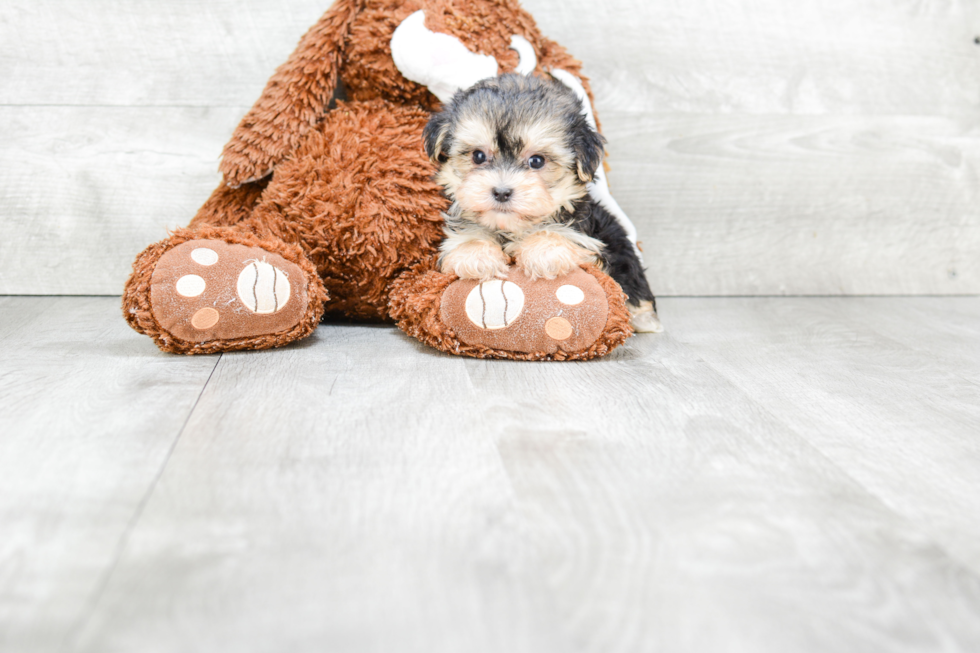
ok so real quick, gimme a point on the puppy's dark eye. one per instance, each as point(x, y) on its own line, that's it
point(479, 157)
point(536, 161)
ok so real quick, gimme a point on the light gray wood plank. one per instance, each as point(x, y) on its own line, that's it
point(142, 53)
point(801, 205)
point(326, 473)
point(88, 413)
point(703, 56)
point(769, 57)
point(86, 189)
point(898, 418)
point(724, 205)
point(944, 328)
point(360, 493)
point(742, 135)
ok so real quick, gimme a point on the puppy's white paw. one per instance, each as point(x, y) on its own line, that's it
point(475, 259)
point(644, 319)
point(548, 255)
point(549, 265)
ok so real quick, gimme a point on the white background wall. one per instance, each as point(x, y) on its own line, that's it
point(761, 146)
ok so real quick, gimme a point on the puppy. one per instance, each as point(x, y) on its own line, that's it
point(515, 155)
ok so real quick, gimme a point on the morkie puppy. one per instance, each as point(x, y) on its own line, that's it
point(516, 155)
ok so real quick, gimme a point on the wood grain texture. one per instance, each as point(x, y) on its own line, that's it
point(945, 329)
point(724, 205)
point(821, 205)
point(886, 389)
point(217, 53)
point(85, 189)
point(702, 56)
point(827, 147)
point(88, 415)
point(330, 497)
point(875, 57)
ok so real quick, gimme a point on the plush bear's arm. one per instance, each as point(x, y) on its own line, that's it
point(228, 206)
point(293, 100)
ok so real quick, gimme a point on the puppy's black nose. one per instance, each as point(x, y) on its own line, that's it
point(502, 194)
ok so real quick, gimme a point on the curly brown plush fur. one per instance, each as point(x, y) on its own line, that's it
point(346, 193)
point(351, 41)
point(358, 197)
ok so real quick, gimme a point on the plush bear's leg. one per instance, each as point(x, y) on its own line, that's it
point(359, 199)
point(579, 316)
point(216, 289)
point(353, 207)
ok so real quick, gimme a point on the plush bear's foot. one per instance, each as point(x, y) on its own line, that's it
point(210, 290)
point(577, 316)
point(566, 314)
point(208, 295)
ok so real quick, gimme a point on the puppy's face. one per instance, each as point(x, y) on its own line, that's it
point(513, 151)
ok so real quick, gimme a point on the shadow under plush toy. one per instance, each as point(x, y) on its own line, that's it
point(337, 209)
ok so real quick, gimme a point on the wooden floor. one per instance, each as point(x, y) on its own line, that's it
point(771, 474)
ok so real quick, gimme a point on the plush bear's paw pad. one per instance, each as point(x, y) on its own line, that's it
point(520, 315)
point(205, 290)
point(494, 304)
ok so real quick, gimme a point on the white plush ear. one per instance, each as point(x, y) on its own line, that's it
point(438, 61)
point(528, 59)
point(599, 187)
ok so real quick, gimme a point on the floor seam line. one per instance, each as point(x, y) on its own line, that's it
point(97, 594)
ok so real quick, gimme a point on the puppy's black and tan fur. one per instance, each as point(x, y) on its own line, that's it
point(516, 154)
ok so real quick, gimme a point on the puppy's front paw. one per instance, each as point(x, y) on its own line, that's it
point(548, 256)
point(475, 259)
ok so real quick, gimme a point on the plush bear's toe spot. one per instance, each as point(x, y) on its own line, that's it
point(190, 285)
point(543, 316)
point(208, 290)
point(570, 295)
point(204, 256)
point(263, 288)
point(205, 318)
point(558, 328)
point(494, 304)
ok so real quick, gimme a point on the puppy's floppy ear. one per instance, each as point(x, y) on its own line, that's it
point(436, 136)
point(588, 146)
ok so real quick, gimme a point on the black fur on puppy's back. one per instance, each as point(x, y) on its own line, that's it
point(619, 257)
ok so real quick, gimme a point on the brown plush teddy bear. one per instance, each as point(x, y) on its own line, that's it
point(330, 205)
